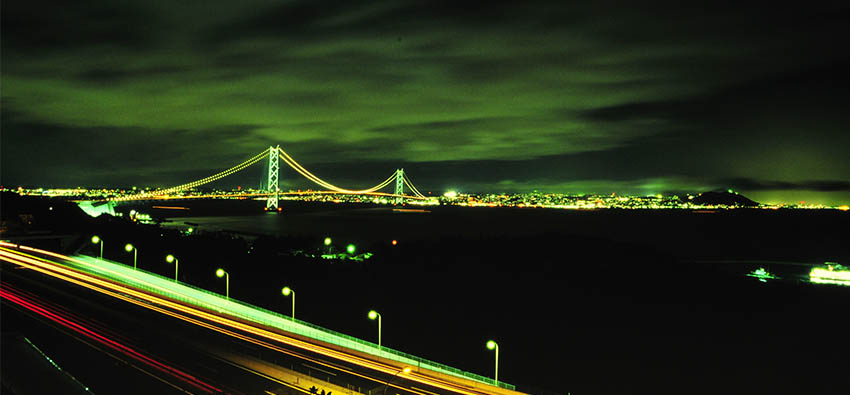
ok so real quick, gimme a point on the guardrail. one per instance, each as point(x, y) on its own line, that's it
point(209, 300)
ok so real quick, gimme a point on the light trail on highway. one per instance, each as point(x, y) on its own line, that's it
point(38, 307)
point(168, 306)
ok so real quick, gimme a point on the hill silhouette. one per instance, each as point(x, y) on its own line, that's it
point(723, 198)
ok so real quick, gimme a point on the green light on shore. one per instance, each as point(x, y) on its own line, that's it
point(350, 249)
point(830, 273)
point(762, 274)
point(327, 241)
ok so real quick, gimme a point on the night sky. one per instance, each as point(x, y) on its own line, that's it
point(484, 96)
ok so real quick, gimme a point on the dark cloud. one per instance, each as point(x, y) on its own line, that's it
point(492, 95)
point(44, 25)
point(817, 185)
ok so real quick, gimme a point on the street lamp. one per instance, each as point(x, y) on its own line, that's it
point(286, 291)
point(97, 240)
point(373, 315)
point(491, 345)
point(327, 241)
point(129, 247)
point(350, 249)
point(406, 370)
point(221, 273)
point(171, 258)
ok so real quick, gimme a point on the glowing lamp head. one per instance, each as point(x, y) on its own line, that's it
point(286, 291)
point(95, 239)
point(395, 242)
point(169, 258)
point(132, 212)
point(406, 369)
point(351, 248)
point(129, 247)
point(190, 230)
point(373, 314)
point(327, 241)
point(491, 345)
point(219, 273)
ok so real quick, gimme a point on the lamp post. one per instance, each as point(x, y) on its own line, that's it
point(286, 291)
point(491, 345)
point(171, 258)
point(376, 315)
point(129, 247)
point(328, 244)
point(97, 240)
point(350, 249)
point(406, 370)
point(221, 273)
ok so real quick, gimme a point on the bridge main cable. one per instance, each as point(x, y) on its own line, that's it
point(412, 188)
point(197, 183)
point(312, 177)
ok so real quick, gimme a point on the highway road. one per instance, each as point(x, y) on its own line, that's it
point(151, 334)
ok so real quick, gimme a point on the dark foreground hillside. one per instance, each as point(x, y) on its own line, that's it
point(601, 302)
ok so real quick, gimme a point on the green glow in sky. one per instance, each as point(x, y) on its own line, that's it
point(520, 96)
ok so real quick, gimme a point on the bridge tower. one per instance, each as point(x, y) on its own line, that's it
point(271, 186)
point(399, 185)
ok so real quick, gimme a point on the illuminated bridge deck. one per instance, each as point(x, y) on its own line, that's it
point(202, 299)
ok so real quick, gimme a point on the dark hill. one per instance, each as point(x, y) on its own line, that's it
point(723, 198)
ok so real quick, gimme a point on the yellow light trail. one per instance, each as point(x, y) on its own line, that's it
point(237, 335)
point(89, 281)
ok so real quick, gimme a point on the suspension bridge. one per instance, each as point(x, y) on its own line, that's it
point(275, 155)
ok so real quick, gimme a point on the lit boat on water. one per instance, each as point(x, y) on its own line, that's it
point(762, 275)
point(830, 273)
